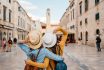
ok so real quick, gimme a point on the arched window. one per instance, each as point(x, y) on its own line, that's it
point(97, 31)
point(4, 33)
point(86, 5)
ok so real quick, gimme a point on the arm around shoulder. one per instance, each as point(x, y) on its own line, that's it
point(40, 65)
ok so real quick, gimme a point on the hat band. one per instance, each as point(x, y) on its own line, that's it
point(48, 43)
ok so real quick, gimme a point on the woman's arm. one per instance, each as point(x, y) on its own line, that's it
point(63, 39)
point(25, 48)
point(24, 41)
point(40, 65)
point(52, 56)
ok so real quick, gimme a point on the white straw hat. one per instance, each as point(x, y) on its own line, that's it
point(49, 39)
point(35, 39)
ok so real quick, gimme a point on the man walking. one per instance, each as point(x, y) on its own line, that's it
point(98, 41)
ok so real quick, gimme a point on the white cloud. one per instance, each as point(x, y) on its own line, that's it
point(31, 8)
point(28, 6)
point(42, 19)
point(55, 22)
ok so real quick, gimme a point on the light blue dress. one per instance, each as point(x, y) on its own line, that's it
point(44, 52)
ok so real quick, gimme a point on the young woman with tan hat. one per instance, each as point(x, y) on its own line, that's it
point(50, 41)
point(32, 45)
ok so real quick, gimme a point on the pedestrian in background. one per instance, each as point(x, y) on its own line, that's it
point(98, 41)
point(79, 41)
point(9, 45)
point(15, 41)
point(4, 44)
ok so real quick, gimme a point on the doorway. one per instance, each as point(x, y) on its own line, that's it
point(86, 37)
point(0, 38)
point(71, 38)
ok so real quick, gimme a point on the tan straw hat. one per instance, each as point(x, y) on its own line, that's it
point(35, 39)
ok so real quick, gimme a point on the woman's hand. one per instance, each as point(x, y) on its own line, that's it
point(55, 30)
point(28, 62)
point(21, 42)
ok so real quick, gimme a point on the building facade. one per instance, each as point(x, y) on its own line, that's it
point(86, 18)
point(14, 21)
point(90, 21)
point(22, 21)
point(6, 19)
point(69, 21)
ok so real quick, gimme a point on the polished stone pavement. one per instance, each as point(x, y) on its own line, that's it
point(15, 60)
point(76, 57)
point(86, 57)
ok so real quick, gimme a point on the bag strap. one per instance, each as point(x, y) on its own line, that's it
point(38, 53)
point(50, 65)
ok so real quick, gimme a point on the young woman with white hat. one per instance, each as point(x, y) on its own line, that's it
point(34, 41)
point(50, 41)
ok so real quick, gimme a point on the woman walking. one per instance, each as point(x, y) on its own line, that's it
point(15, 42)
point(4, 44)
point(9, 45)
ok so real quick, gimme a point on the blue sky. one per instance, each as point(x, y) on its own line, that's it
point(37, 9)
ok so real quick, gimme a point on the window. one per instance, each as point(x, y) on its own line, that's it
point(86, 21)
point(73, 13)
point(97, 16)
point(80, 5)
point(4, 13)
point(96, 2)
point(81, 35)
point(19, 8)
point(9, 1)
point(0, 7)
point(80, 23)
point(4, 33)
point(21, 22)
point(10, 15)
point(86, 5)
point(43, 27)
point(18, 20)
point(97, 31)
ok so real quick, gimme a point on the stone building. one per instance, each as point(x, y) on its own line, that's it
point(22, 22)
point(14, 21)
point(86, 18)
point(90, 20)
point(69, 21)
point(6, 19)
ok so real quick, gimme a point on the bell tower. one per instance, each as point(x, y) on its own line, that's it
point(48, 18)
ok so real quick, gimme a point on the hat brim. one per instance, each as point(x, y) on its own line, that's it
point(30, 44)
point(35, 46)
point(52, 44)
